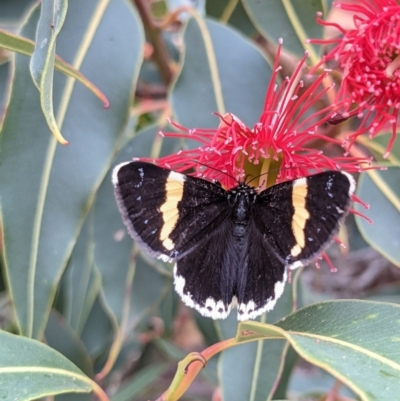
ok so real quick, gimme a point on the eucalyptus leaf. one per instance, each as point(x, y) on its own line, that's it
point(25, 46)
point(310, 381)
point(232, 13)
point(215, 76)
point(378, 146)
point(52, 17)
point(41, 229)
point(4, 71)
point(198, 5)
point(208, 328)
point(355, 341)
point(288, 367)
point(81, 282)
point(62, 338)
point(30, 370)
point(138, 383)
point(99, 330)
point(293, 21)
point(73, 397)
point(381, 190)
point(13, 10)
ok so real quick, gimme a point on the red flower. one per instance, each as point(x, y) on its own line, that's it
point(279, 143)
point(369, 56)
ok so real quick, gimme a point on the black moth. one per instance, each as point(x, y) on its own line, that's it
point(230, 247)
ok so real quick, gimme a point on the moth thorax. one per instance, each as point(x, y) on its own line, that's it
point(241, 208)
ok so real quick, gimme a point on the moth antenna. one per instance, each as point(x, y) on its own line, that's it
point(215, 169)
point(258, 176)
point(262, 184)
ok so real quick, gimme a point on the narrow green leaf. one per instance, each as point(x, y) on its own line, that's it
point(81, 282)
point(4, 72)
point(381, 190)
point(232, 12)
point(74, 397)
point(52, 17)
point(26, 46)
point(11, 12)
point(215, 76)
point(168, 310)
point(291, 20)
point(257, 367)
point(30, 370)
point(208, 329)
point(355, 341)
point(378, 146)
point(139, 382)
point(144, 298)
point(289, 364)
point(16, 43)
point(99, 331)
point(62, 338)
point(51, 20)
point(47, 190)
point(314, 384)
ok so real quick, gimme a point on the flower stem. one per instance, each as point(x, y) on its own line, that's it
point(190, 366)
point(154, 36)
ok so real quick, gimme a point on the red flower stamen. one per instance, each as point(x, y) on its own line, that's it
point(277, 142)
point(369, 56)
point(354, 211)
point(329, 263)
point(339, 242)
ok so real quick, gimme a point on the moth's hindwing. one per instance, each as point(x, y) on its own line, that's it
point(167, 213)
point(263, 279)
point(205, 278)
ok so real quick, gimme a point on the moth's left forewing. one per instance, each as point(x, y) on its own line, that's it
point(167, 213)
point(147, 196)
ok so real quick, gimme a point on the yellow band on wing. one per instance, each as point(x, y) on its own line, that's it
point(300, 216)
point(169, 209)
